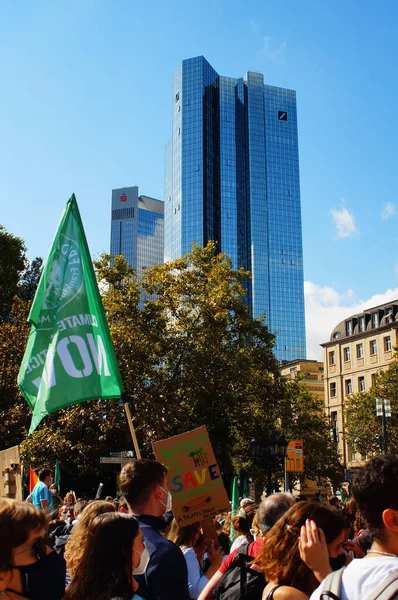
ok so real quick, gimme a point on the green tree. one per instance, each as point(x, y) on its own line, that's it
point(29, 279)
point(14, 411)
point(302, 416)
point(363, 427)
point(191, 356)
point(12, 264)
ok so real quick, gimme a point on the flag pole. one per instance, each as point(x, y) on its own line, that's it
point(132, 430)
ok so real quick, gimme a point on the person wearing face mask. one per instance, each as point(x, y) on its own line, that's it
point(143, 484)
point(114, 553)
point(291, 550)
point(28, 568)
point(190, 540)
point(57, 500)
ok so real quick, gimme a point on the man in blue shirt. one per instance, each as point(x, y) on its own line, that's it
point(144, 485)
point(41, 495)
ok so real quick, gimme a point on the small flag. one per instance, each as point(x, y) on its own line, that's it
point(234, 505)
point(57, 474)
point(69, 357)
point(33, 479)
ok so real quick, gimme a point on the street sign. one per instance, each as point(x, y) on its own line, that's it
point(114, 460)
point(295, 457)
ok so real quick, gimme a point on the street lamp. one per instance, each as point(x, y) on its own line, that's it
point(268, 452)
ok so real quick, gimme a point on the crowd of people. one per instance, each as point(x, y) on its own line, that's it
point(133, 548)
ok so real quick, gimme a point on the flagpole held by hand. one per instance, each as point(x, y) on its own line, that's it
point(132, 430)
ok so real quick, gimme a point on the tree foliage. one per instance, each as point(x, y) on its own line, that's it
point(191, 355)
point(12, 264)
point(363, 427)
point(29, 279)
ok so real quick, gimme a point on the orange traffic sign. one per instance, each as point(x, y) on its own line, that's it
point(295, 457)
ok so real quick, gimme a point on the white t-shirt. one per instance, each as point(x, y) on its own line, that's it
point(362, 577)
point(239, 541)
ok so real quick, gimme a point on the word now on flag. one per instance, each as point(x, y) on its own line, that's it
point(69, 357)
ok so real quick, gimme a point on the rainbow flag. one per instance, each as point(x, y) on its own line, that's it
point(33, 479)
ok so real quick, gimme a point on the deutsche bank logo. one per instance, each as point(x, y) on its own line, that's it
point(282, 115)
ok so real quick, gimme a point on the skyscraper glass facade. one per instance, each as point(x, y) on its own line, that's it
point(232, 175)
point(137, 228)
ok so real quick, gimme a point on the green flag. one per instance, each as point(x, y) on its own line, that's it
point(69, 357)
point(57, 474)
point(234, 506)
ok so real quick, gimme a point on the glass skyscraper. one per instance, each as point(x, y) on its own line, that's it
point(232, 175)
point(137, 228)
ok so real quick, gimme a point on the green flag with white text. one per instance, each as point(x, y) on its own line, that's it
point(69, 357)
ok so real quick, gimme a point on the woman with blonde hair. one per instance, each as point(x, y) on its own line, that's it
point(75, 546)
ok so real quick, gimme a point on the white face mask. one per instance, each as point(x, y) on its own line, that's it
point(144, 560)
point(169, 504)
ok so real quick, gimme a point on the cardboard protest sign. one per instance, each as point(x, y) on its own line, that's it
point(193, 475)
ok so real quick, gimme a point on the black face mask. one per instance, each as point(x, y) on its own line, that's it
point(337, 562)
point(44, 579)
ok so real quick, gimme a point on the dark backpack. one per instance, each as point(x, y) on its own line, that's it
point(241, 582)
point(59, 538)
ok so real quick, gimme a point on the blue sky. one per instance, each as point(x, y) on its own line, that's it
point(86, 106)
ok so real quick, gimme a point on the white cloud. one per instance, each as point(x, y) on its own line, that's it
point(325, 308)
point(272, 53)
point(389, 210)
point(344, 222)
point(253, 25)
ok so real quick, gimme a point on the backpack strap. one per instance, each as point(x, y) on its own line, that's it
point(242, 553)
point(270, 594)
point(387, 589)
point(332, 585)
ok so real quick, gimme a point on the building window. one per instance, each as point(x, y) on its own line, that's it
point(348, 387)
point(373, 347)
point(348, 327)
point(332, 359)
point(388, 313)
point(353, 452)
point(347, 354)
point(361, 324)
point(373, 379)
point(335, 426)
point(387, 344)
point(359, 350)
point(361, 384)
point(375, 320)
point(333, 388)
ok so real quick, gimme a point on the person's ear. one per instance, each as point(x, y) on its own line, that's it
point(390, 519)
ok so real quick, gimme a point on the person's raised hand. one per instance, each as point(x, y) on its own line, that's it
point(215, 555)
point(313, 550)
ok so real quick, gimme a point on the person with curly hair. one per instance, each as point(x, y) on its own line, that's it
point(309, 530)
point(77, 541)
